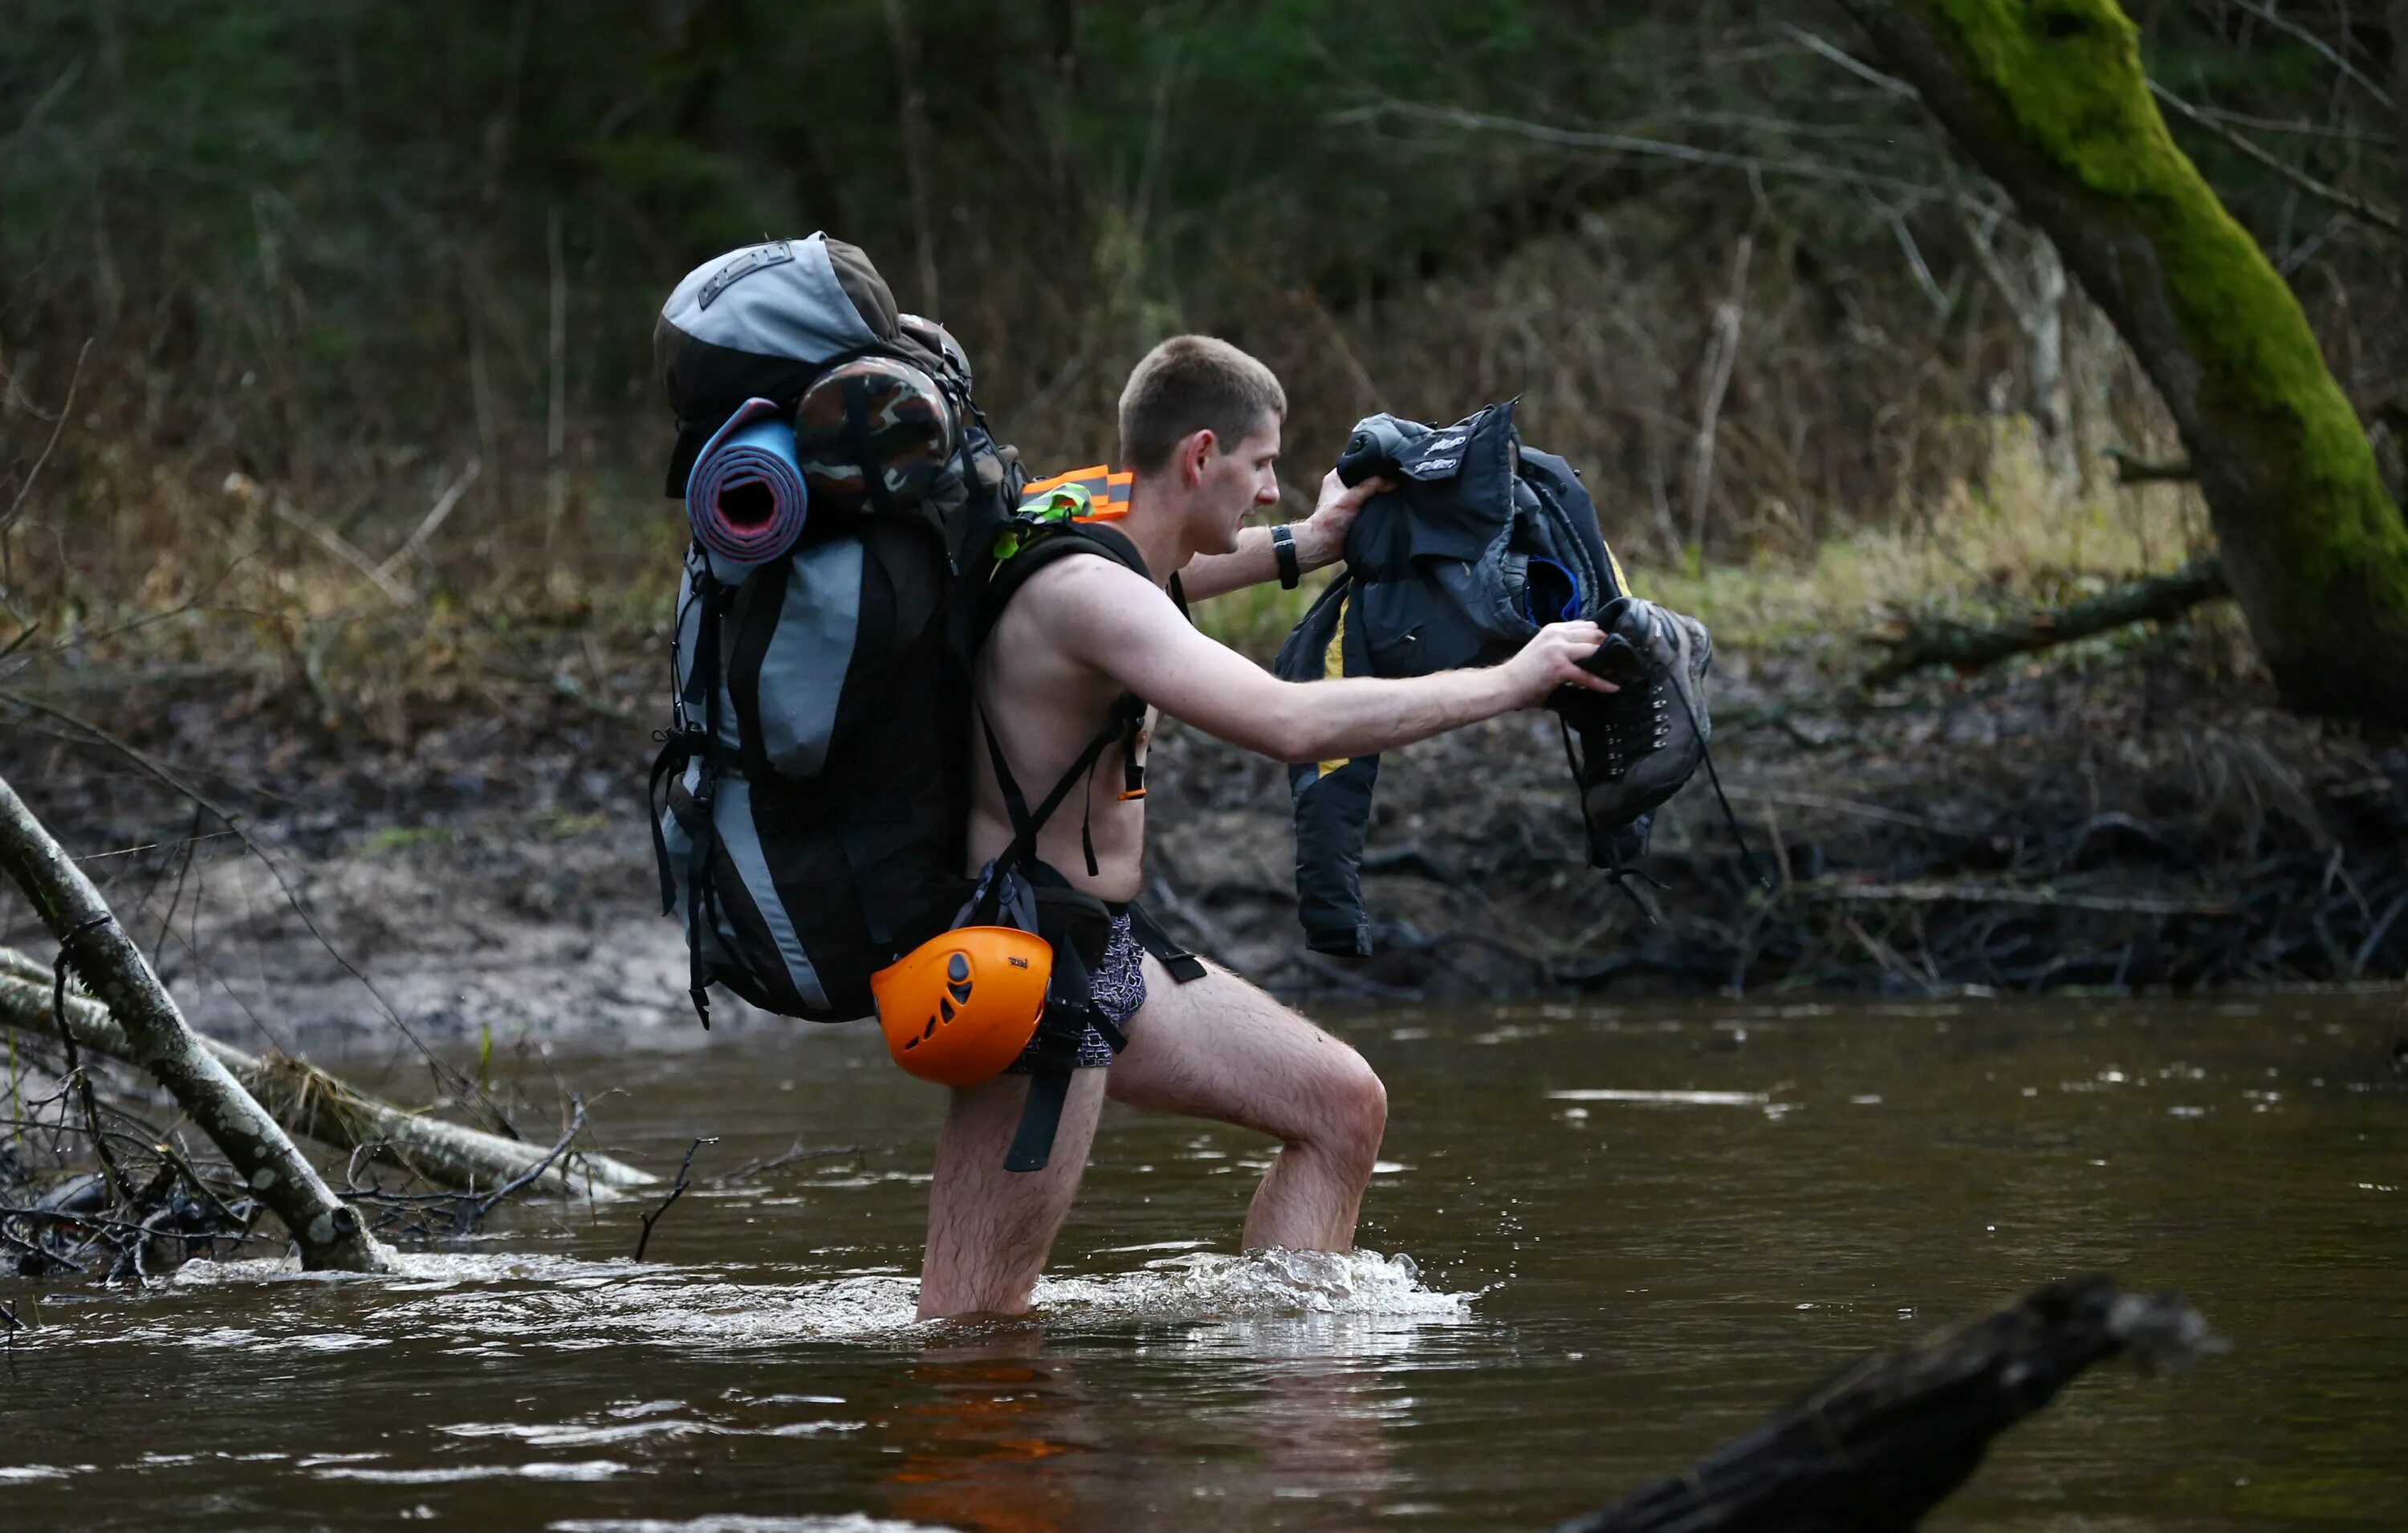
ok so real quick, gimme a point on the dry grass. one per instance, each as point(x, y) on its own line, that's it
point(1839, 483)
point(2003, 543)
point(261, 601)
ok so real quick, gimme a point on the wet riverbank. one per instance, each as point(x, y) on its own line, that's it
point(1635, 1228)
point(2122, 828)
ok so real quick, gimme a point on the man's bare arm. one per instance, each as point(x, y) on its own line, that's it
point(1251, 563)
point(1123, 626)
point(1320, 540)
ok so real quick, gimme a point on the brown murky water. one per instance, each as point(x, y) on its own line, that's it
point(1581, 1293)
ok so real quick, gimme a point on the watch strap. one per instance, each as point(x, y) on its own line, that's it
point(1284, 549)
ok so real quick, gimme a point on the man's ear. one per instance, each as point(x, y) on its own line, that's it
point(1194, 452)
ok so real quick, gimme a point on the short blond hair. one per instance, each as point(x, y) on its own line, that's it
point(1191, 383)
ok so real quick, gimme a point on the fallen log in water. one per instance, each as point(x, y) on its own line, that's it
point(306, 1100)
point(329, 1233)
point(1877, 1447)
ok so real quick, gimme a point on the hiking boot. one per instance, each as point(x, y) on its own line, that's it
point(1621, 849)
point(1642, 742)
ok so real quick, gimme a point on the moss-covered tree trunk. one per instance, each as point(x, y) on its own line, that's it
point(2049, 97)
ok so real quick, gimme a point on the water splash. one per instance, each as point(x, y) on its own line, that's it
point(493, 1305)
point(1264, 1283)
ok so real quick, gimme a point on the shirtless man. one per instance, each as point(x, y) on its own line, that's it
point(1199, 425)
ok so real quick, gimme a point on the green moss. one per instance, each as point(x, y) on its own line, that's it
point(2069, 73)
point(393, 839)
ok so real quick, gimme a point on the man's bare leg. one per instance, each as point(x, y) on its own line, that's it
point(990, 1229)
point(1218, 1047)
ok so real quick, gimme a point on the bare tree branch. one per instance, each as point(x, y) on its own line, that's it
point(2382, 218)
point(1622, 143)
point(310, 1102)
point(1849, 61)
point(415, 545)
point(66, 410)
point(2301, 127)
point(1969, 647)
point(2284, 24)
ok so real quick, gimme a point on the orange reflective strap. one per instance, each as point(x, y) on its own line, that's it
point(1108, 492)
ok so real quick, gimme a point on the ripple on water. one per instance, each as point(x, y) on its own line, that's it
point(850, 1522)
point(585, 1470)
point(475, 1300)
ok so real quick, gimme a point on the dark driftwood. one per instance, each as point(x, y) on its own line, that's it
point(1875, 1448)
point(310, 1102)
point(1969, 647)
point(329, 1234)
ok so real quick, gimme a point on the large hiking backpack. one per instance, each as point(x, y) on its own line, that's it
point(807, 806)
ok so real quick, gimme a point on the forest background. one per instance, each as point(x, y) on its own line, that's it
point(331, 258)
point(325, 390)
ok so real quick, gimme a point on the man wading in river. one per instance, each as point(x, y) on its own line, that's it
point(1199, 426)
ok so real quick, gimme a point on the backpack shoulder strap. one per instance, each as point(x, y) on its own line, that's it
point(1060, 540)
point(1125, 722)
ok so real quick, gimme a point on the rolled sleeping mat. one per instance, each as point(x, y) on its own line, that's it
point(746, 498)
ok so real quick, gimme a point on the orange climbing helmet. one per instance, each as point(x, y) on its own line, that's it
point(962, 1005)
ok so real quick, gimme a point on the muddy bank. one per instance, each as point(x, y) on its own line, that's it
point(492, 876)
point(2120, 828)
point(2123, 826)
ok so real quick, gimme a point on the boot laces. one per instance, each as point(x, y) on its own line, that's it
point(1625, 731)
point(1731, 817)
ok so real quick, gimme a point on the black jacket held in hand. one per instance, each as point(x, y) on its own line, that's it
point(1481, 543)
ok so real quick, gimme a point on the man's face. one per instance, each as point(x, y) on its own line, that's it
point(1237, 480)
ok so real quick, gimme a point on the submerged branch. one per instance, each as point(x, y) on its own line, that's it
point(675, 1193)
point(309, 1101)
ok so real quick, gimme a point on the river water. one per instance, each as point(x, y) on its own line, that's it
point(1577, 1292)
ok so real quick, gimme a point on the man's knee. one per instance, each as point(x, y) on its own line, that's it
point(1352, 1107)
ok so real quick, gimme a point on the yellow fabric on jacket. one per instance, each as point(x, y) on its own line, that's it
point(1333, 663)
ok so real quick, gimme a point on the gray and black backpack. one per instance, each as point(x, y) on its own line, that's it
point(808, 805)
point(847, 498)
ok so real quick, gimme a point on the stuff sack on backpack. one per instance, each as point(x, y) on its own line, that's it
point(808, 803)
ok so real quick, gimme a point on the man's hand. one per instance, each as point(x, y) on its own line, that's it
point(1553, 659)
point(1321, 539)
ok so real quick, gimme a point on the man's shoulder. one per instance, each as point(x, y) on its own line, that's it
point(1075, 609)
point(1085, 574)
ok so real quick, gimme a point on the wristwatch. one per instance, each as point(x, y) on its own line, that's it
point(1284, 549)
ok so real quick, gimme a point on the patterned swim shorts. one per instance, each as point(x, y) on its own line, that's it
point(1119, 988)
